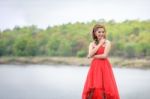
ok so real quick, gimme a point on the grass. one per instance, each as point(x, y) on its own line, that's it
point(115, 61)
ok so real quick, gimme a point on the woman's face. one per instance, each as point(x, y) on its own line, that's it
point(100, 33)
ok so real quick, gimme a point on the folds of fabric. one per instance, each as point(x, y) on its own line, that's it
point(100, 77)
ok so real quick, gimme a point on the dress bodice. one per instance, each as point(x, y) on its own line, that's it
point(100, 82)
point(100, 50)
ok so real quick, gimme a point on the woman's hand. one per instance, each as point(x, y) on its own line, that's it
point(102, 41)
point(93, 48)
point(106, 51)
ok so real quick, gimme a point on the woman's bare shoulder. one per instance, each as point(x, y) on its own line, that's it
point(92, 44)
point(108, 41)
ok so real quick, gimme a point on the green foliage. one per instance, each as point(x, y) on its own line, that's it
point(20, 47)
point(2, 47)
point(53, 47)
point(130, 50)
point(25, 47)
point(129, 38)
point(81, 53)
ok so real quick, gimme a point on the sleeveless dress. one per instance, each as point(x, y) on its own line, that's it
point(100, 78)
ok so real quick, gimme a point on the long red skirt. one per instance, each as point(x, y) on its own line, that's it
point(101, 79)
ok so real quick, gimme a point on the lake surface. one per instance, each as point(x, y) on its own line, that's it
point(65, 82)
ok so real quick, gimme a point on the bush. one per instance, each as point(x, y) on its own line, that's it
point(81, 53)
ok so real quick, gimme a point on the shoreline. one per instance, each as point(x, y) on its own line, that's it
point(115, 61)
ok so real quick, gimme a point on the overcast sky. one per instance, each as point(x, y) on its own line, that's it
point(54, 12)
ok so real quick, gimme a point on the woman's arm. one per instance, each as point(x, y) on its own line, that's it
point(92, 50)
point(106, 51)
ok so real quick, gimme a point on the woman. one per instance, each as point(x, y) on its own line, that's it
point(100, 82)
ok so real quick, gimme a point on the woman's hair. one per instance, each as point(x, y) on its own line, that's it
point(95, 28)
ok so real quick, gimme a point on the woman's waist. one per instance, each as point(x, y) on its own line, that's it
point(100, 59)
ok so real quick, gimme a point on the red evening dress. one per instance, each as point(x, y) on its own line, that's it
point(100, 77)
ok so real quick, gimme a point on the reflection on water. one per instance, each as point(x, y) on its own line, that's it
point(65, 82)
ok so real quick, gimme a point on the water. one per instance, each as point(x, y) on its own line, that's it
point(65, 82)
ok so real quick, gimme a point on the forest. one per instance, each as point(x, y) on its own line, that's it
point(129, 38)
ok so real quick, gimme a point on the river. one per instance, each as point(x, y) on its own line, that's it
point(65, 82)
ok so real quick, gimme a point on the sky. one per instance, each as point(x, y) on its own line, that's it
point(44, 13)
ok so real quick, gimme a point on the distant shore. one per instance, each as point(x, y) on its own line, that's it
point(115, 61)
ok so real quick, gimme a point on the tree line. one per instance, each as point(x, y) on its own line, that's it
point(129, 38)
